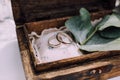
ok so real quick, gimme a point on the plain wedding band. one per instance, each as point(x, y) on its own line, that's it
point(52, 44)
point(59, 38)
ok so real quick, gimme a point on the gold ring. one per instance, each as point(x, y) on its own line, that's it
point(51, 42)
point(62, 35)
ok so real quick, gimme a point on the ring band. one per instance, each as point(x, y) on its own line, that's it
point(52, 44)
point(59, 38)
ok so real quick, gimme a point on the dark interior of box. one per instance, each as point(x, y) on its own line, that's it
point(43, 14)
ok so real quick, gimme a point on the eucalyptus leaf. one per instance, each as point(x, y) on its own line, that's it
point(107, 36)
point(102, 37)
point(113, 20)
point(97, 39)
point(110, 32)
point(107, 30)
point(113, 45)
point(80, 26)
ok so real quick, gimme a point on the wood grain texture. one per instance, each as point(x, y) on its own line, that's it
point(31, 10)
point(99, 69)
point(39, 26)
point(67, 69)
point(92, 66)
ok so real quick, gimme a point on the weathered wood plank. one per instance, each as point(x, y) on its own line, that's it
point(94, 66)
point(82, 61)
point(30, 10)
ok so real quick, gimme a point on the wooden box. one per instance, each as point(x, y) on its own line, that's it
point(31, 15)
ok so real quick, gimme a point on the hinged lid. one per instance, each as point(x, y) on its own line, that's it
point(36, 10)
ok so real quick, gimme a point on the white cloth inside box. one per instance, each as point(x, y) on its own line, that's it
point(55, 44)
point(49, 49)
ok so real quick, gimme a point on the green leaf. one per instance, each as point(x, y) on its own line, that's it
point(113, 45)
point(103, 37)
point(97, 39)
point(111, 28)
point(114, 20)
point(107, 36)
point(110, 32)
point(80, 26)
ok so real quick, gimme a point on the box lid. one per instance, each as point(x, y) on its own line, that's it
point(36, 10)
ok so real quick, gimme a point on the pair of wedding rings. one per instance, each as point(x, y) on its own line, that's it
point(58, 39)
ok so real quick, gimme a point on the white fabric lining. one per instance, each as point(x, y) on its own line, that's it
point(47, 54)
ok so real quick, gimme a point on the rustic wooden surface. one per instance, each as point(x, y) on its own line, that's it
point(90, 70)
point(31, 10)
point(39, 26)
point(104, 65)
point(58, 22)
point(95, 66)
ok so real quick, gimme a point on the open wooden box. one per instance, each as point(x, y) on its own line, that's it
point(38, 15)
